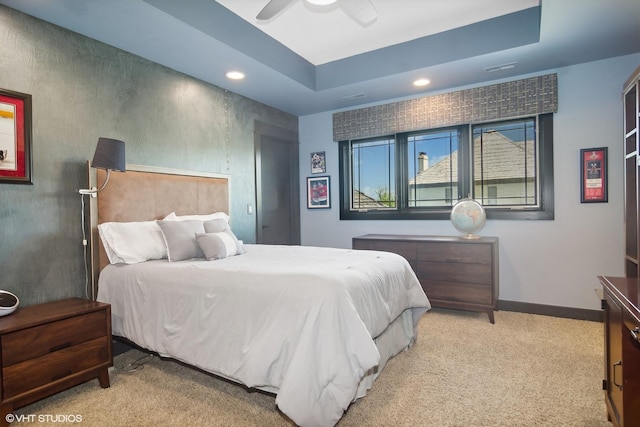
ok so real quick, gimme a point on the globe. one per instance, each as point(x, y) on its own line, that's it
point(468, 217)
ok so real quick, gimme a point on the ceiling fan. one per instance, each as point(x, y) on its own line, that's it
point(361, 11)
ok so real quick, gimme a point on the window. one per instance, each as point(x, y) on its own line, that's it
point(372, 174)
point(505, 163)
point(507, 166)
point(433, 172)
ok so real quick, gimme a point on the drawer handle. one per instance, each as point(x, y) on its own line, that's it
point(59, 347)
point(618, 363)
point(635, 334)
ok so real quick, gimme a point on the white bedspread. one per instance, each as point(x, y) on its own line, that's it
point(297, 321)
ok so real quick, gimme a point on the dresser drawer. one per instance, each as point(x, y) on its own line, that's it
point(455, 252)
point(28, 375)
point(34, 342)
point(458, 292)
point(405, 249)
point(453, 272)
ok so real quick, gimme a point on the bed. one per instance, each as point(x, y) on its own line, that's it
point(314, 326)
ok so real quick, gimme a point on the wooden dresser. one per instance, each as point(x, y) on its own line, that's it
point(454, 272)
point(49, 347)
point(621, 304)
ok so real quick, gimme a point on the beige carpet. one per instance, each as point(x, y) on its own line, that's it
point(526, 370)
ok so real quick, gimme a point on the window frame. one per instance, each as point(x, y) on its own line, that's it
point(545, 211)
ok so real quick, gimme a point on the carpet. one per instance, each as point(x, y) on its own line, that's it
point(524, 370)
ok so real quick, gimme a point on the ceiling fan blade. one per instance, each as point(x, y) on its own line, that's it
point(361, 11)
point(272, 9)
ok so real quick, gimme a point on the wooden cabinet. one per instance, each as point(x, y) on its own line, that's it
point(631, 98)
point(621, 302)
point(50, 347)
point(454, 272)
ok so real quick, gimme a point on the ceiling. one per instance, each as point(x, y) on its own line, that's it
point(308, 59)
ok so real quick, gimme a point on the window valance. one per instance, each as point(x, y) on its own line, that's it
point(519, 98)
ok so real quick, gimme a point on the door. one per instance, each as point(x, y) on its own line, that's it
point(277, 189)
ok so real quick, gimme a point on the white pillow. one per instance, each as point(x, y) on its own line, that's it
point(132, 242)
point(216, 245)
point(180, 239)
point(173, 217)
point(218, 226)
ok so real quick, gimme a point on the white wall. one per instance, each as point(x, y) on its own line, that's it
point(541, 262)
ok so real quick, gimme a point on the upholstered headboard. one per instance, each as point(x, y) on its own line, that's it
point(144, 193)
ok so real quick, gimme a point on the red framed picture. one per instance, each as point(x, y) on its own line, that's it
point(318, 192)
point(15, 137)
point(593, 175)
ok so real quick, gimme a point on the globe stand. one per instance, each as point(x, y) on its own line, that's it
point(470, 237)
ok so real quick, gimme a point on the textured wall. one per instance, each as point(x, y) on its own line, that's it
point(81, 90)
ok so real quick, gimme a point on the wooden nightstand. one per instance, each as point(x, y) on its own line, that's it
point(49, 347)
point(454, 272)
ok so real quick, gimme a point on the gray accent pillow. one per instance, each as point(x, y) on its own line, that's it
point(219, 225)
point(180, 238)
point(216, 245)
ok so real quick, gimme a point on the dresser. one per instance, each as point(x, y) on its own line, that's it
point(454, 272)
point(49, 347)
point(621, 305)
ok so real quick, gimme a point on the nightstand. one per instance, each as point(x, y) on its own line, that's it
point(47, 348)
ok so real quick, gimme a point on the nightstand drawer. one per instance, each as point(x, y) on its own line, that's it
point(455, 252)
point(458, 292)
point(33, 373)
point(41, 340)
point(453, 272)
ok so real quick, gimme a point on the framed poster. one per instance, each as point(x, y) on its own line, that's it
point(15, 137)
point(593, 175)
point(318, 192)
point(318, 164)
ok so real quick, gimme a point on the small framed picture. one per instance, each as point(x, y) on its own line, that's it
point(593, 175)
point(318, 164)
point(318, 192)
point(15, 137)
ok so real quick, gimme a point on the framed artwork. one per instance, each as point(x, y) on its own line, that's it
point(318, 192)
point(318, 164)
point(15, 137)
point(593, 175)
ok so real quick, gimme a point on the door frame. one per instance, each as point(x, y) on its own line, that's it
point(261, 130)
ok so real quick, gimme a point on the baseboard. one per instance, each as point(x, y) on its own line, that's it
point(551, 310)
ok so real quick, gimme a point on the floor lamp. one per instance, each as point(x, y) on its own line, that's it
point(109, 155)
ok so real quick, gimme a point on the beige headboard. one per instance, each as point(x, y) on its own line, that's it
point(145, 193)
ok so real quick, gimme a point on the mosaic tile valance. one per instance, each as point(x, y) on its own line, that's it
point(519, 98)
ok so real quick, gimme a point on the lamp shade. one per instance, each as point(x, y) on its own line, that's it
point(109, 155)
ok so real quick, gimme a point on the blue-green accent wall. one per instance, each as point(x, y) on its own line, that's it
point(82, 89)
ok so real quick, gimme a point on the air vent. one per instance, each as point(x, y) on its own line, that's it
point(501, 67)
point(355, 96)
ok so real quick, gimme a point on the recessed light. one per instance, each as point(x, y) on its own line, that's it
point(235, 75)
point(421, 82)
